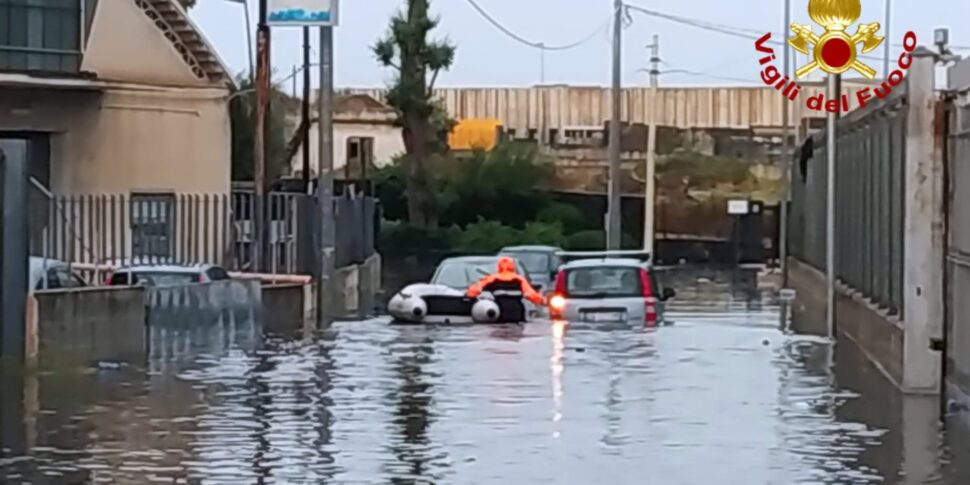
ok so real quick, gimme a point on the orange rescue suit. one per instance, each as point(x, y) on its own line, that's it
point(506, 277)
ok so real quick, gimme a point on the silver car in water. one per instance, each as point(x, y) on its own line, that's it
point(609, 289)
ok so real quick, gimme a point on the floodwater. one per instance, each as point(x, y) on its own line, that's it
point(723, 396)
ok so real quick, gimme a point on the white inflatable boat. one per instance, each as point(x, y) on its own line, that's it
point(428, 303)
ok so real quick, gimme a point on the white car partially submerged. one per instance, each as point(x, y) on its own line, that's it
point(443, 299)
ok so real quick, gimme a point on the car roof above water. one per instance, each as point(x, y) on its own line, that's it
point(165, 268)
point(602, 262)
point(535, 249)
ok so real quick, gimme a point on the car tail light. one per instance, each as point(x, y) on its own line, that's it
point(558, 299)
point(651, 311)
point(650, 302)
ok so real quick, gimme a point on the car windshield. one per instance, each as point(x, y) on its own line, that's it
point(603, 282)
point(534, 262)
point(159, 278)
point(461, 275)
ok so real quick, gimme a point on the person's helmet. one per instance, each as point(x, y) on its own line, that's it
point(506, 265)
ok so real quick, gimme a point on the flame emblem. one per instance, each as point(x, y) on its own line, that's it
point(835, 51)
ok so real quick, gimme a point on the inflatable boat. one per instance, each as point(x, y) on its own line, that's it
point(429, 303)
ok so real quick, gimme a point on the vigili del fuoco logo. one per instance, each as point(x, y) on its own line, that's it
point(834, 51)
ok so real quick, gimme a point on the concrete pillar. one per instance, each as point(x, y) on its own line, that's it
point(923, 247)
point(13, 248)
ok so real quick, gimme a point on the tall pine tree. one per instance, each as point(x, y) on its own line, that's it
point(417, 60)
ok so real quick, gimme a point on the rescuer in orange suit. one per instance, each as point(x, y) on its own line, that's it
point(506, 279)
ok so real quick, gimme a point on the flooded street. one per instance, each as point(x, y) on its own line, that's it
point(723, 396)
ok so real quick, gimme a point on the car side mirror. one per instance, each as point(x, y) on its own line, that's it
point(668, 293)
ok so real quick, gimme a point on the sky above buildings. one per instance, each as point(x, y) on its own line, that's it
point(488, 57)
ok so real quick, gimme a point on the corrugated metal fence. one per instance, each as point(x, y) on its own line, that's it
point(869, 201)
point(189, 229)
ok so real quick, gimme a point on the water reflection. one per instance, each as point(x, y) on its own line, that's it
point(724, 395)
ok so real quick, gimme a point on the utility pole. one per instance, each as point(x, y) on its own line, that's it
point(888, 46)
point(305, 110)
point(786, 160)
point(614, 231)
point(650, 174)
point(259, 149)
point(830, 146)
point(542, 63)
point(655, 61)
point(325, 285)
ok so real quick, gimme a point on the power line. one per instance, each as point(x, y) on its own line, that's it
point(536, 45)
point(735, 31)
point(689, 72)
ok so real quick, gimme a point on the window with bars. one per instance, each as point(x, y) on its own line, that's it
point(41, 35)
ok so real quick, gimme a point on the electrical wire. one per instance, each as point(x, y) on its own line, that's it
point(738, 32)
point(536, 45)
point(689, 72)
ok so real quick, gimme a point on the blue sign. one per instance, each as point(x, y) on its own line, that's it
point(302, 12)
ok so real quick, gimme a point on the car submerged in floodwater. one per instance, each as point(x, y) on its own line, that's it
point(443, 300)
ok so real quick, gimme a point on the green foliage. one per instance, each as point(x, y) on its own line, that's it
point(705, 170)
point(568, 216)
point(487, 237)
point(497, 185)
point(545, 233)
point(595, 240)
point(402, 238)
point(241, 109)
point(408, 49)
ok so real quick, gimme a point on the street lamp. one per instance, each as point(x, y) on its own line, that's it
point(249, 33)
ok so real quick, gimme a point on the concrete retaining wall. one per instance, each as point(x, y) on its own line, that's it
point(288, 308)
point(86, 325)
point(357, 287)
point(881, 337)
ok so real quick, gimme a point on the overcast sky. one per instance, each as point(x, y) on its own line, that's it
point(487, 57)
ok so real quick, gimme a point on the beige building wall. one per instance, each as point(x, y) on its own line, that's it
point(387, 144)
point(125, 45)
point(129, 138)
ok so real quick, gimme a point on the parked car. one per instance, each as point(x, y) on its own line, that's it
point(165, 275)
point(609, 289)
point(51, 274)
point(542, 263)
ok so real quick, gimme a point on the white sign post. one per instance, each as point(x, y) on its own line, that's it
point(738, 207)
point(299, 13)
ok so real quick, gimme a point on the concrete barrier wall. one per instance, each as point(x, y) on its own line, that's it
point(357, 287)
point(287, 308)
point(881, 337)
point(86, 325)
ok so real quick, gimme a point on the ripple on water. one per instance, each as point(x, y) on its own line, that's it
point(722, 396)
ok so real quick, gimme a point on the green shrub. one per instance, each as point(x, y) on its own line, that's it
point(569, 216)
point(544, 233)
point(403, 238)
point(595, 240)
point(487, 236)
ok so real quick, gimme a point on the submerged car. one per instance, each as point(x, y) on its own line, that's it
point(443, 300)
point(542, 263)
point(51, 274)
point(165, 275)
point(608, 287)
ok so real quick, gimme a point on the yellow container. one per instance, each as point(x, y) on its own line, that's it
point(475, 134)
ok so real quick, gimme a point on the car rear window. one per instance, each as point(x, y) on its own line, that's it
point(155, 278)
point(604, 282)
point(534, 262)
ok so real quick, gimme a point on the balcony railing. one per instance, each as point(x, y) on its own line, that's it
point(42, 35)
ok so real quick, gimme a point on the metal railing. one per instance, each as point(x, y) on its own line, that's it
point(869, 202)
point(100, 232)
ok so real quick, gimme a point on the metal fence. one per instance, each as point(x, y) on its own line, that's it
point(188, 229)
point(869, 202)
